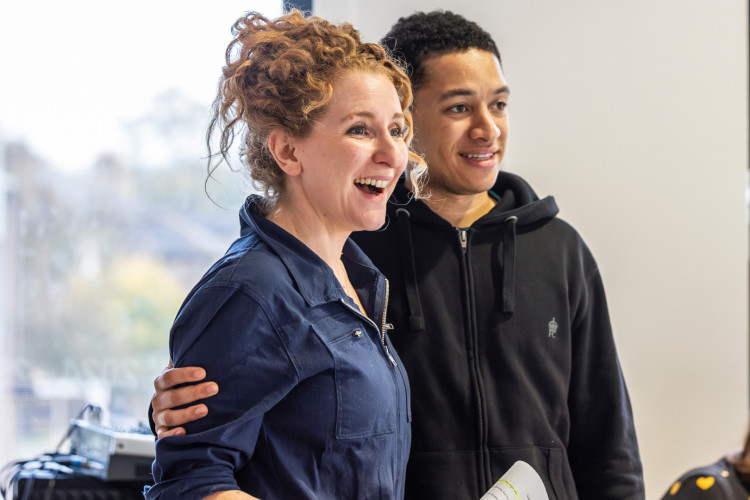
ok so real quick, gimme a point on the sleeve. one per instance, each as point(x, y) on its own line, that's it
point(234, 338)
point(602, 449)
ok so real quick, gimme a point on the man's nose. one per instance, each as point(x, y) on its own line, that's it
point(484, 126)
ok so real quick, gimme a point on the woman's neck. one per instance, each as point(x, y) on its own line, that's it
point(327, 246)
point(311, 232)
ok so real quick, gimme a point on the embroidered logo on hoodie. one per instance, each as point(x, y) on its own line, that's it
point(552, 325)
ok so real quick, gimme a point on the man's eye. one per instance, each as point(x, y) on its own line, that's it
point(357, 130)
point(500, 105)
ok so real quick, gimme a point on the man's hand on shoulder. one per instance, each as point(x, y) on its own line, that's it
point(167, 420)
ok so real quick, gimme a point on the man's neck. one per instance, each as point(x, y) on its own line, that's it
point(461, 210)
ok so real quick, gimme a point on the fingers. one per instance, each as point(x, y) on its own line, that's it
point(170, 398)
point(168, 421)
point(164, 432)
point(171, 377)
point(163, 403)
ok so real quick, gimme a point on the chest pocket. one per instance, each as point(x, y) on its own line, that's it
point(366, 393)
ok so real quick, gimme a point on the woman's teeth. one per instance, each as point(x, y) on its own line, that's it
point(371, 182)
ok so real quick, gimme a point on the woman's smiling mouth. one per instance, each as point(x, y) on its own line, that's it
point(371, 186)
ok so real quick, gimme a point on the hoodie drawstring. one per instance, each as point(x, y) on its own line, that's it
point(509, 263)
point(416, 318)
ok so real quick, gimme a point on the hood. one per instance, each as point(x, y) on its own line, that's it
point(516, 199)
point(518, 209)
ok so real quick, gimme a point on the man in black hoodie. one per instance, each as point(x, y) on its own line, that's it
point(497, 306)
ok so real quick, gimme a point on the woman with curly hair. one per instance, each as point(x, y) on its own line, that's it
point(314, 401)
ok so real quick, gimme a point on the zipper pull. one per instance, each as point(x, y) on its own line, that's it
point(388, 352)
point(462, 238)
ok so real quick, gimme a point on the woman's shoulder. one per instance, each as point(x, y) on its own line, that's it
point(715, 481)
point(248, 266)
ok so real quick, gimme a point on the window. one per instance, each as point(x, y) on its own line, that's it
point(104, 222)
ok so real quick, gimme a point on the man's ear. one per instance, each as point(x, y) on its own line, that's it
point(282, 147)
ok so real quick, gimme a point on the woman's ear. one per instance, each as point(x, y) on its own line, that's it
point(282, 147)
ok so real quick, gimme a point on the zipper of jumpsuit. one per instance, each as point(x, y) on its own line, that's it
point(381, 332)
point(382, 329)
point(483, 472)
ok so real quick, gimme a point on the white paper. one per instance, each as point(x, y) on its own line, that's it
point(521, 482)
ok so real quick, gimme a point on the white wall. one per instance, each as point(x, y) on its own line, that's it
point(633, 113)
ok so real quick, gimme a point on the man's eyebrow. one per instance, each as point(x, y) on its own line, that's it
point(466, 92)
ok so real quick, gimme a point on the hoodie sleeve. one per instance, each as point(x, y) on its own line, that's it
point(603, 449)
point(234, 339)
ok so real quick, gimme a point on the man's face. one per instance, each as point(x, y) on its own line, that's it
point(460, 122)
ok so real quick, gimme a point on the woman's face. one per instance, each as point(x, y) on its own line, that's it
point(353, 156)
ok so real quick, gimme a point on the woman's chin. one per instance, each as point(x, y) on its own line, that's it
point(371, 224)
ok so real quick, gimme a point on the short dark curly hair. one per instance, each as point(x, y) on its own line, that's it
point(421, 35)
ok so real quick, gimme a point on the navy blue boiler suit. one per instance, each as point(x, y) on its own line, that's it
point(313, 400)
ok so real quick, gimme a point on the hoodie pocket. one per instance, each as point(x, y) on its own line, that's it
point(550, 463)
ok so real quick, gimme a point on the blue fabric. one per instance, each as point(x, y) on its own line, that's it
point(313, 401)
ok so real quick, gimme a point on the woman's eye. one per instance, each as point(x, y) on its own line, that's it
point(398, 131)
point(357, 130)
point(458, 108)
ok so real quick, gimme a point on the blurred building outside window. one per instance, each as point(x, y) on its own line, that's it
point(105, 224)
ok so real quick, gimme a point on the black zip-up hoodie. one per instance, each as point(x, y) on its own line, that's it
point(505, 334)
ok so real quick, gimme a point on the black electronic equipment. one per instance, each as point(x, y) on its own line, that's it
point(46, 484)
point(103, 463)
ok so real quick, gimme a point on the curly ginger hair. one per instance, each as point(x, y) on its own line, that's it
point(280, 73)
